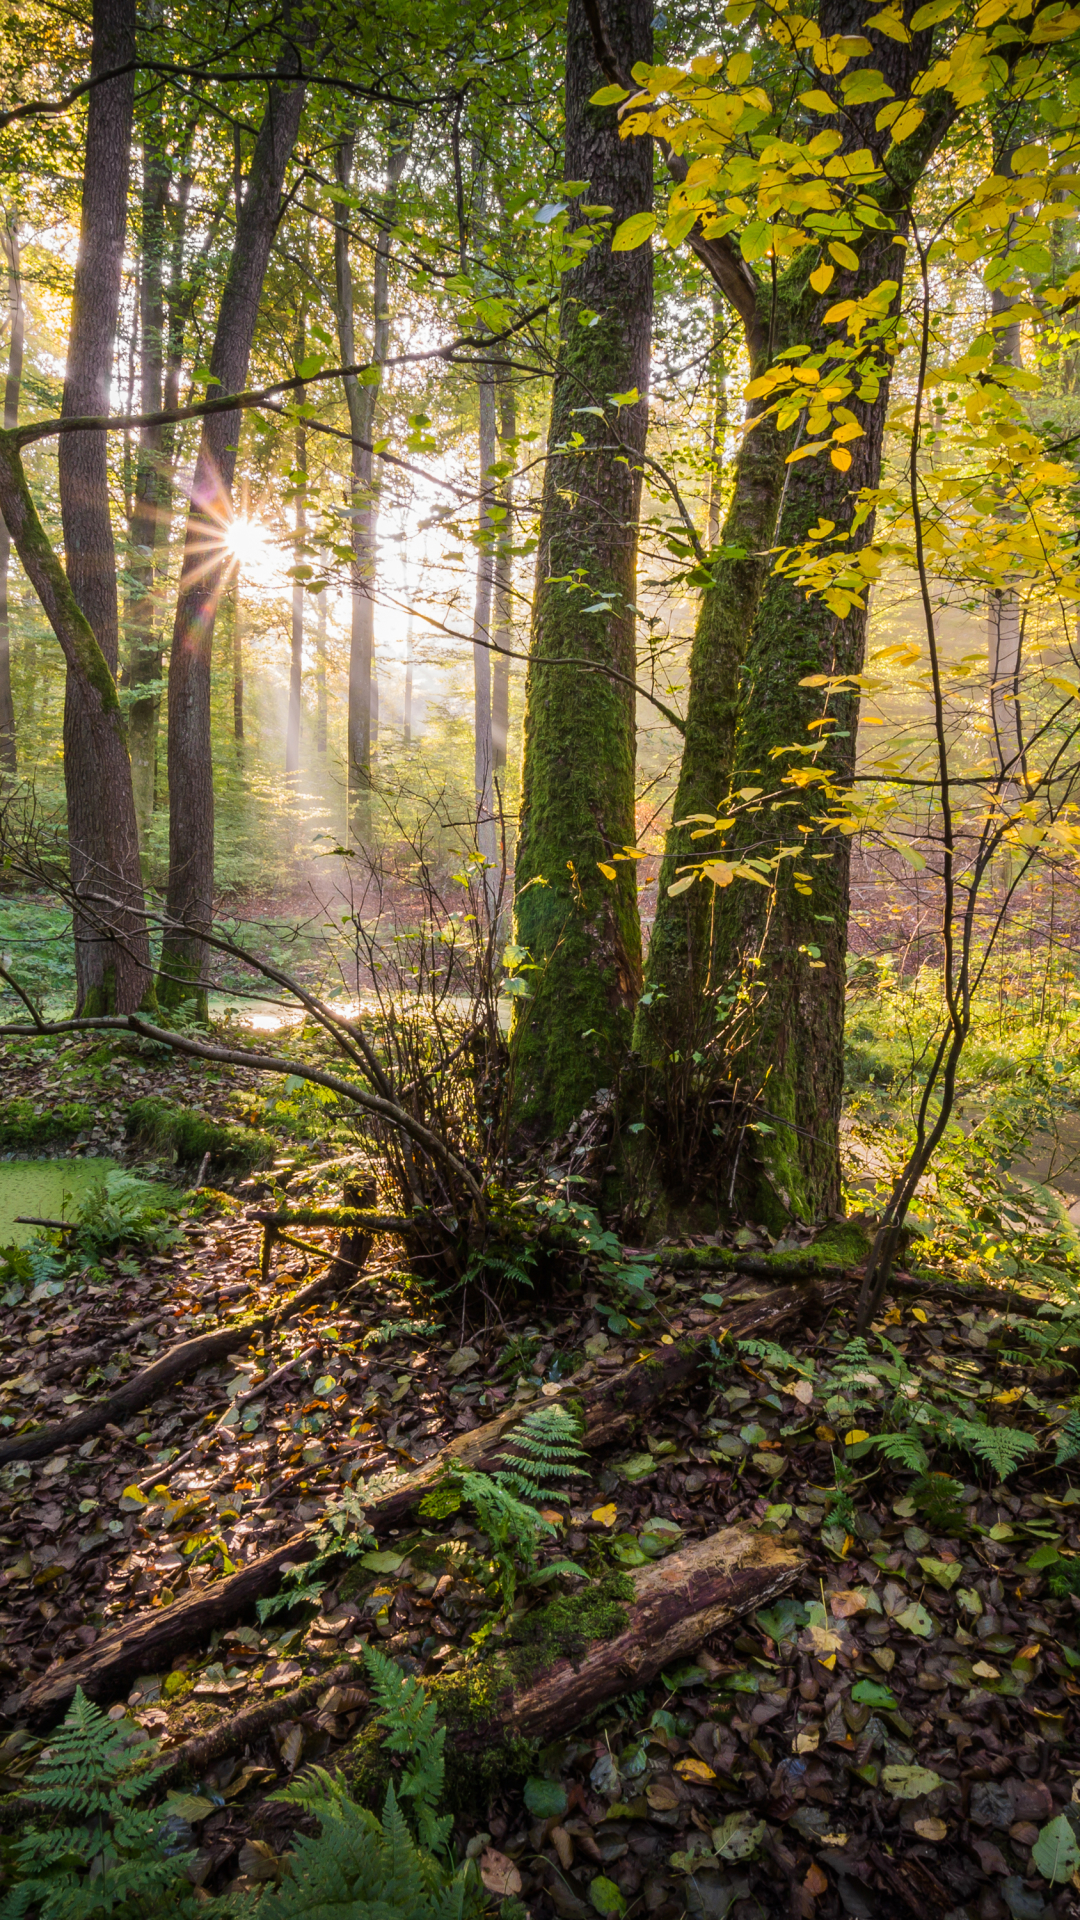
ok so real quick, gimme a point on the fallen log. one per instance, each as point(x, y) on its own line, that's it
point(678, 1603)
point(191, 1758)
point(145, 1386)
point(609, 1410)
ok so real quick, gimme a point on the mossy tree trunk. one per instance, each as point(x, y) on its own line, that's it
point(758, 973)
point(16, 330)
point(577, 808)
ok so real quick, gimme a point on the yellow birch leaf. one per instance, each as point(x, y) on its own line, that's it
point(822, 277)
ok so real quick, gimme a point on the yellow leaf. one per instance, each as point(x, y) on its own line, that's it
point(694, 1770)
point(133, 1496)
point(633, 233)
point(890, 22)
point(605, 1516)
point(917, 1313)
point(817, 101)
point(844, 256)
point(822, 277)
point(824, 1433)
point(608, 872)
point(857, 1433)
point(739, 68)
point(841, 459)
point(666, 1340)
point(807, 1741)
point(1006, 1399)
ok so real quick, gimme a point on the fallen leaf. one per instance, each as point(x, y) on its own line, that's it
point(931, 1829)
point(843, 1606)
point(985, 1671)
point(915, 1619)
point(853, 1438)
point(259, 1861)
point(188, 1806)
point(807, 1741)
point(803, 1392)
point(694, 1770)
point(606, 1516)
point(909, 1783)
point(292, 1746)
point(816, 1882)
point(605, 1897)
point(499, 1875)
point(660, 1798)
point(1056, 1853)
point(281, 1673)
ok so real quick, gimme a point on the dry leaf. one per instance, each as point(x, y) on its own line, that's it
point(985, 1671)
point(292, 1746)
point(660, 1798)
point(605, 1516)
point(499, 1875)
point(931, 1829)
point(803, 1392)
point(695, 1770)
point(816, 1881)
point(259, 1861)
point(564, 1847)
point(843, 1606)
point(807, 1741)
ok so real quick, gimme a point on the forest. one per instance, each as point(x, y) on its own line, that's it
point(539, 958)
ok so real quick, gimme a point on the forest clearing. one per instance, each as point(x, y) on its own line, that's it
point(539, 1084)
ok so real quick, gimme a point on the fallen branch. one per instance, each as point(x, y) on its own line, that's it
point(229, 1735)
point(145, 1386)
point(678, 1603)
point(366, 1218)
point(609, 1410)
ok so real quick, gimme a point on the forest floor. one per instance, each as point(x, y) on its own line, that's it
point(896, 1734)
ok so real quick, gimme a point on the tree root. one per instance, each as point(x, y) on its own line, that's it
point(609, 1411)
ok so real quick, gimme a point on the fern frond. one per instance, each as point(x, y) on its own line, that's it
point(1068, 1440)
point(774, 1356)
point(1001, 1448)
point(904, 1450)
point(546, 1449)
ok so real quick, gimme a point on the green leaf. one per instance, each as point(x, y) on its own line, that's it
point(189, 1806)
point(385, 1562)
point(871, 1693)
point(915, 1619)
point(608, 97)
point(1056, 1853)
point(909, 1783)
point(545, 1799)
point(628, 235)
point(606, 1898)
point(1045, 1556)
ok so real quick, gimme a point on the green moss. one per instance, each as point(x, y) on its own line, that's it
point(366, 1766)
point(568, 1624)
point(155, 1123)
point(846, 1242)
point(20, 1126)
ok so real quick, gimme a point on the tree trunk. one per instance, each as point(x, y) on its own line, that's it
point(320, 678)
point(362, 401)
point(718, 425)
point(410, 656)
point(485, 568)
point(577, 807)
point(149, 520)
point(93, 684)
point(759, 972)
point(16, 328)
point(296, 655)
point(237, 661)
point(111, 973)
point(503, 622)
point(190, 895)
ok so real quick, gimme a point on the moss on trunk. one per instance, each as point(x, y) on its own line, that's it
point(580, 927)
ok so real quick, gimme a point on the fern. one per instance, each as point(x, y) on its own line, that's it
point(1068, 1440)
point(127, 1208)
point(104, 1856)
point(399, 1330)
point(904, 1450)
point(361, 1868)
point(774, 1356)
point(546, 1449)
point(1000, 1448)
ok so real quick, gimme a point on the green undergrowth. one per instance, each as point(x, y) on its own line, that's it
point(25, 1123)
point(160, 1127)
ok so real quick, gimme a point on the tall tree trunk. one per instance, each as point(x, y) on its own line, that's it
point(238, 661)
point(577, 809)
point(296, 654)
point(718, 425)
point(1004, 628)
point(503, 621)
point(320, 677)
point(485, 569)
point(410, 656)
point(153, 490)
point(362, 399)
point(16, 329)
point(111, 965)
point(757, 974)
point(190, 895)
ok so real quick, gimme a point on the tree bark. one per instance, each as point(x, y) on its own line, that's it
point(296, 651)
point(190, 894)
point(503, 623)
point(362, 399)
point(112, 952)
point(577, 809)
point(678, 1603)
point(16, 332)
point(320, 678)
point(758, 973)
point(149, 520)
point(485, 569)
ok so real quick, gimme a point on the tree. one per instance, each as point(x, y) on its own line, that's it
point(362, 399)
point(581, 930)
point(16, 327)
point(102, 840)
point(190, 892)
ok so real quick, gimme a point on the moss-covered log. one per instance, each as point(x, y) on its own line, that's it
point(677, 1603)
point(577, 808)
point(609, 1410)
